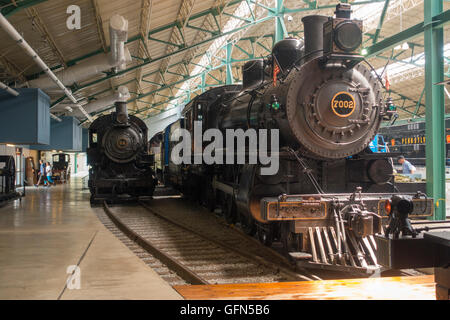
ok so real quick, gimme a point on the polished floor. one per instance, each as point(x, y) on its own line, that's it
point(52, 246)
point(394, 288)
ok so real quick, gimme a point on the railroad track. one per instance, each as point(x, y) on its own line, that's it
point(159, 267)
point(186, 244)
point(180, 253)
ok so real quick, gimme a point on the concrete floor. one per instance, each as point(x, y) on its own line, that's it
point(53, 229)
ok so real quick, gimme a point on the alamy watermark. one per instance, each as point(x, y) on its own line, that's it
point(74, 279)
point(255, 152)
point(73, 22)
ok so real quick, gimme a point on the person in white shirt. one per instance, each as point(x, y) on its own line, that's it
point(48, 171)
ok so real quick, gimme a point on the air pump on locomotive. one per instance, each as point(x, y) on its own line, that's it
point(330, 194)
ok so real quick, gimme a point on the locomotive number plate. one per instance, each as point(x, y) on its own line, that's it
point(296, 210)
point(343, 104)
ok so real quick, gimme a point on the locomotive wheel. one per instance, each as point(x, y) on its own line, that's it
point(229, 209)
point(247, 224)
point(291, 241)
point(265, 234)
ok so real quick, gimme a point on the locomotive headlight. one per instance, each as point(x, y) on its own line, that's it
point(348, 36)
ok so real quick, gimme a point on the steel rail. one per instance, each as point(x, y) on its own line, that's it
point(172, 263)
point(242, 253)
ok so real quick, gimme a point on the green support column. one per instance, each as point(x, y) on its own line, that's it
point(75, 163)
point(435, 109)
point(203, 88)
point(280, 27)
point(228, 66)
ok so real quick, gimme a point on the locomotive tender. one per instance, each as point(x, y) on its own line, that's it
point(121, 168)
point(331, 194)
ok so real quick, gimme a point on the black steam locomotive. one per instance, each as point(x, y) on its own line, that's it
point(121, 168)
point(331, 194)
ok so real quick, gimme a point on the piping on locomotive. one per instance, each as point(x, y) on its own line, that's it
point(121, 168)
point(331, 193)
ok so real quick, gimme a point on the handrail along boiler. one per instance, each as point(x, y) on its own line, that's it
point(331, 193)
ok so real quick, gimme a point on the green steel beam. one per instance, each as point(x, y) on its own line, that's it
point(239, 18)
point(218, 81)
point(244, 51)
point(228, 65)
point(380, 22)
point(435, 107)
point(166, 42)
point(271, 13)
point(280, 27)
point(418, 104)
point(264, 47)
point(173, 84)
point(212, 11)
point(13, 8)
point(213, 32)
point(313, 6)
point(393, 59)
point(388, 43)
point(203, 84)
point(186, 48)
point(402, 96)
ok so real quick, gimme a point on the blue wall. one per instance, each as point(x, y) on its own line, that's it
point(25, 119)
point(65, 135)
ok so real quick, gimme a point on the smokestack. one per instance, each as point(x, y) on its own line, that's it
point(121, 112)
point(313, 30)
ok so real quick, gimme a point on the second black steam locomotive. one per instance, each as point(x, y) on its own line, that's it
point(330, 194)
point(121, 168)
